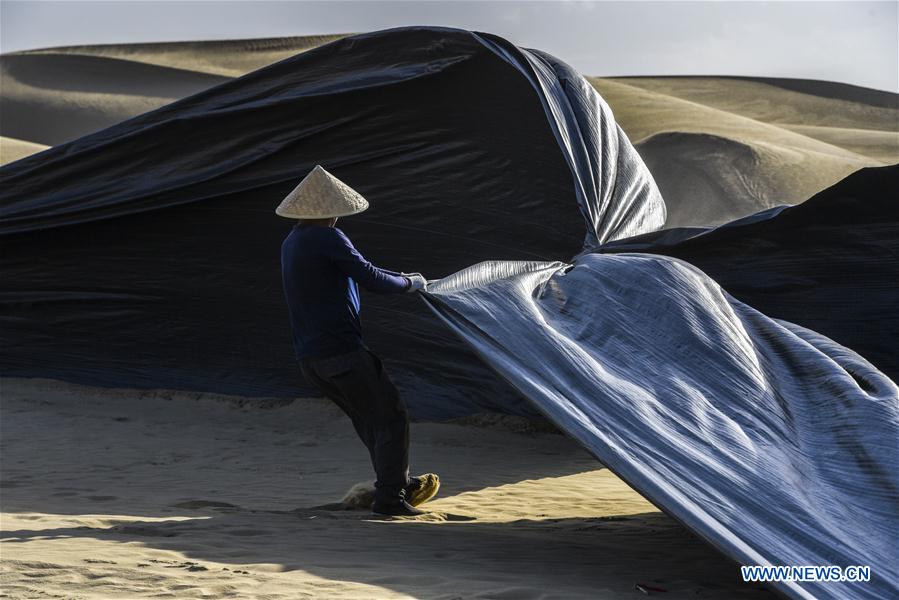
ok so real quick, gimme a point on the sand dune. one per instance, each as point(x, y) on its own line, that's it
point(50, 99)
point(713, 164)
point(12, 149)
point(227, 58)
point(881, 145)
point(708, 179)
point(141, 494)
point(764, 101)
point(54, 95)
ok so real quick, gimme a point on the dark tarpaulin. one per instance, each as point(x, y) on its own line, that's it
point(147, 254)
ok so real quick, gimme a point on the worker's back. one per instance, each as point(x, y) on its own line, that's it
point(320, 269)
point(322, 300)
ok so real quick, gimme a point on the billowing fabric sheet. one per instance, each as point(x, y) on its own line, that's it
point(146, 255)
point(769, 440)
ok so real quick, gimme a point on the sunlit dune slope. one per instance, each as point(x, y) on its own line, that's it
point(13, 149)
point(228, 58)
point(54, 95)
point(51, 99)
point(861, 120)
point(714, 164)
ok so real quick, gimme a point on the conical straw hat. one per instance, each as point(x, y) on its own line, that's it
point(321, 196)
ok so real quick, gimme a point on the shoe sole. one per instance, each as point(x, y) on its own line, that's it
point(426, 491)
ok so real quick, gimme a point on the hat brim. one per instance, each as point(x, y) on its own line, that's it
point(288, 215)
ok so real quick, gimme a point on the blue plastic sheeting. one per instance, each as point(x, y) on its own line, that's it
point(770, 441)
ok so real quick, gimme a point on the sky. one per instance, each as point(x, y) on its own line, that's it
point(847, 41)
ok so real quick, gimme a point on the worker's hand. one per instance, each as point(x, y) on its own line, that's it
point(417, 282)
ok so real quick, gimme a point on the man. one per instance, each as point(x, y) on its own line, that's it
point(321, 271)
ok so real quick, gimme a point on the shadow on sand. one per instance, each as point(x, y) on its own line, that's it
point(420, 556)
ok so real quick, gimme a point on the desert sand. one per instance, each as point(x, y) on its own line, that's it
point(54, 95)
point(12, 149)
point(744, 145)
point(112, 493)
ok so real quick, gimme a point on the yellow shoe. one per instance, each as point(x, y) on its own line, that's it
point(422, 488)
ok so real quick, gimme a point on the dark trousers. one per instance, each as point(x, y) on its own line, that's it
point(358, 384)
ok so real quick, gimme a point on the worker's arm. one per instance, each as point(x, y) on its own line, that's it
point(351, 263)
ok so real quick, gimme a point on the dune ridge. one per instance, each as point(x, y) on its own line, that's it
point(228, 58)
point(714, 164)
point(55, 95)
point(812, 87)
point(801, 108)
point(54, 98)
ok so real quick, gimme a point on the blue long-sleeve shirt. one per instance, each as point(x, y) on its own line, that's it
point(320, 270)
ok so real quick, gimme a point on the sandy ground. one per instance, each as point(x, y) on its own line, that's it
point(128, 494)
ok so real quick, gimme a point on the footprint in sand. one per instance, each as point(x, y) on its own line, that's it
point(188, 566)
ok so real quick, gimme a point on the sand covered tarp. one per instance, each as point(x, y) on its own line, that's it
point(146, 255)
